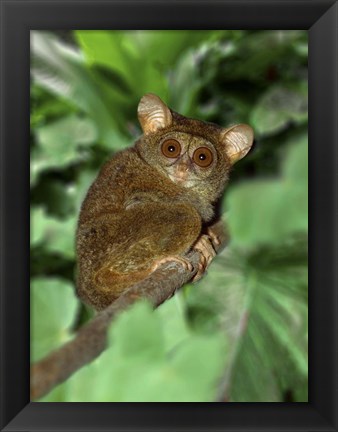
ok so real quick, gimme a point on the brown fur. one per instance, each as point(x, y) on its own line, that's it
point(134, 215)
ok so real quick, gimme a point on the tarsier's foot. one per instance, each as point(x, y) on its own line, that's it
point(181, 260)
point(205, 247)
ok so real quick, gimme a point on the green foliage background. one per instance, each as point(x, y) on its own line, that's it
point(245, 323)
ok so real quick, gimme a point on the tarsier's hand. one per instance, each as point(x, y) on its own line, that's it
point(214, 236)
point(215, 239)
point(207, 252)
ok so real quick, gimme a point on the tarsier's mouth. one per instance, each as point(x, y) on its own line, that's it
point(178, 179)
point(182, 180)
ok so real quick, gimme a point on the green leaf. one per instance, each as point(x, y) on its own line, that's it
point(163, 47)
point(262, 56)
point(257, 212)
point(185, 83)
point(139, 367)
point(56, 235)
point(61, 70)
point(53, 305)
point(81, 186)
point(61, 143)
point(175, 329)
point(45, 107)
point(267, 211)
point(124, 51)
point(68, 131)
point(57, 197)
point(111, 49)
point(295, 163)
point(259, 299)
point(200, 363)
point(279, 106)
point(133, 340)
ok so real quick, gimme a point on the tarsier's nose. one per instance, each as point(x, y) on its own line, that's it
point(182, 168)
point(184, 162)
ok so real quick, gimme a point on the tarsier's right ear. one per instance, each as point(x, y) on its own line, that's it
point(238, 141)
point(153, 114)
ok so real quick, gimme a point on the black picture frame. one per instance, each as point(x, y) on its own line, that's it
point(320, 18)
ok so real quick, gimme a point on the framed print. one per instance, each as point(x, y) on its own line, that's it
point(85, 70)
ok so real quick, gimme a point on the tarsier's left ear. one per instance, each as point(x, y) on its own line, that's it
point(238, 141)
point(153, 114)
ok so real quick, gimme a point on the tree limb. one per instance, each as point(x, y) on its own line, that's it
point(90, 341)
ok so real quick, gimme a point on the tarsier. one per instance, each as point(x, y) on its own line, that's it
point(155, 202)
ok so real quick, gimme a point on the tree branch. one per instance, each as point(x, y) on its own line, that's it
point(90, 341)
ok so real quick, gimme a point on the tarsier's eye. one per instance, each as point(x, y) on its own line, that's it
point(171, 148)
point(203, 157)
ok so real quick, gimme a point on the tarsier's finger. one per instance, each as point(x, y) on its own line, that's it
point(205, 246)
point(214, 237)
